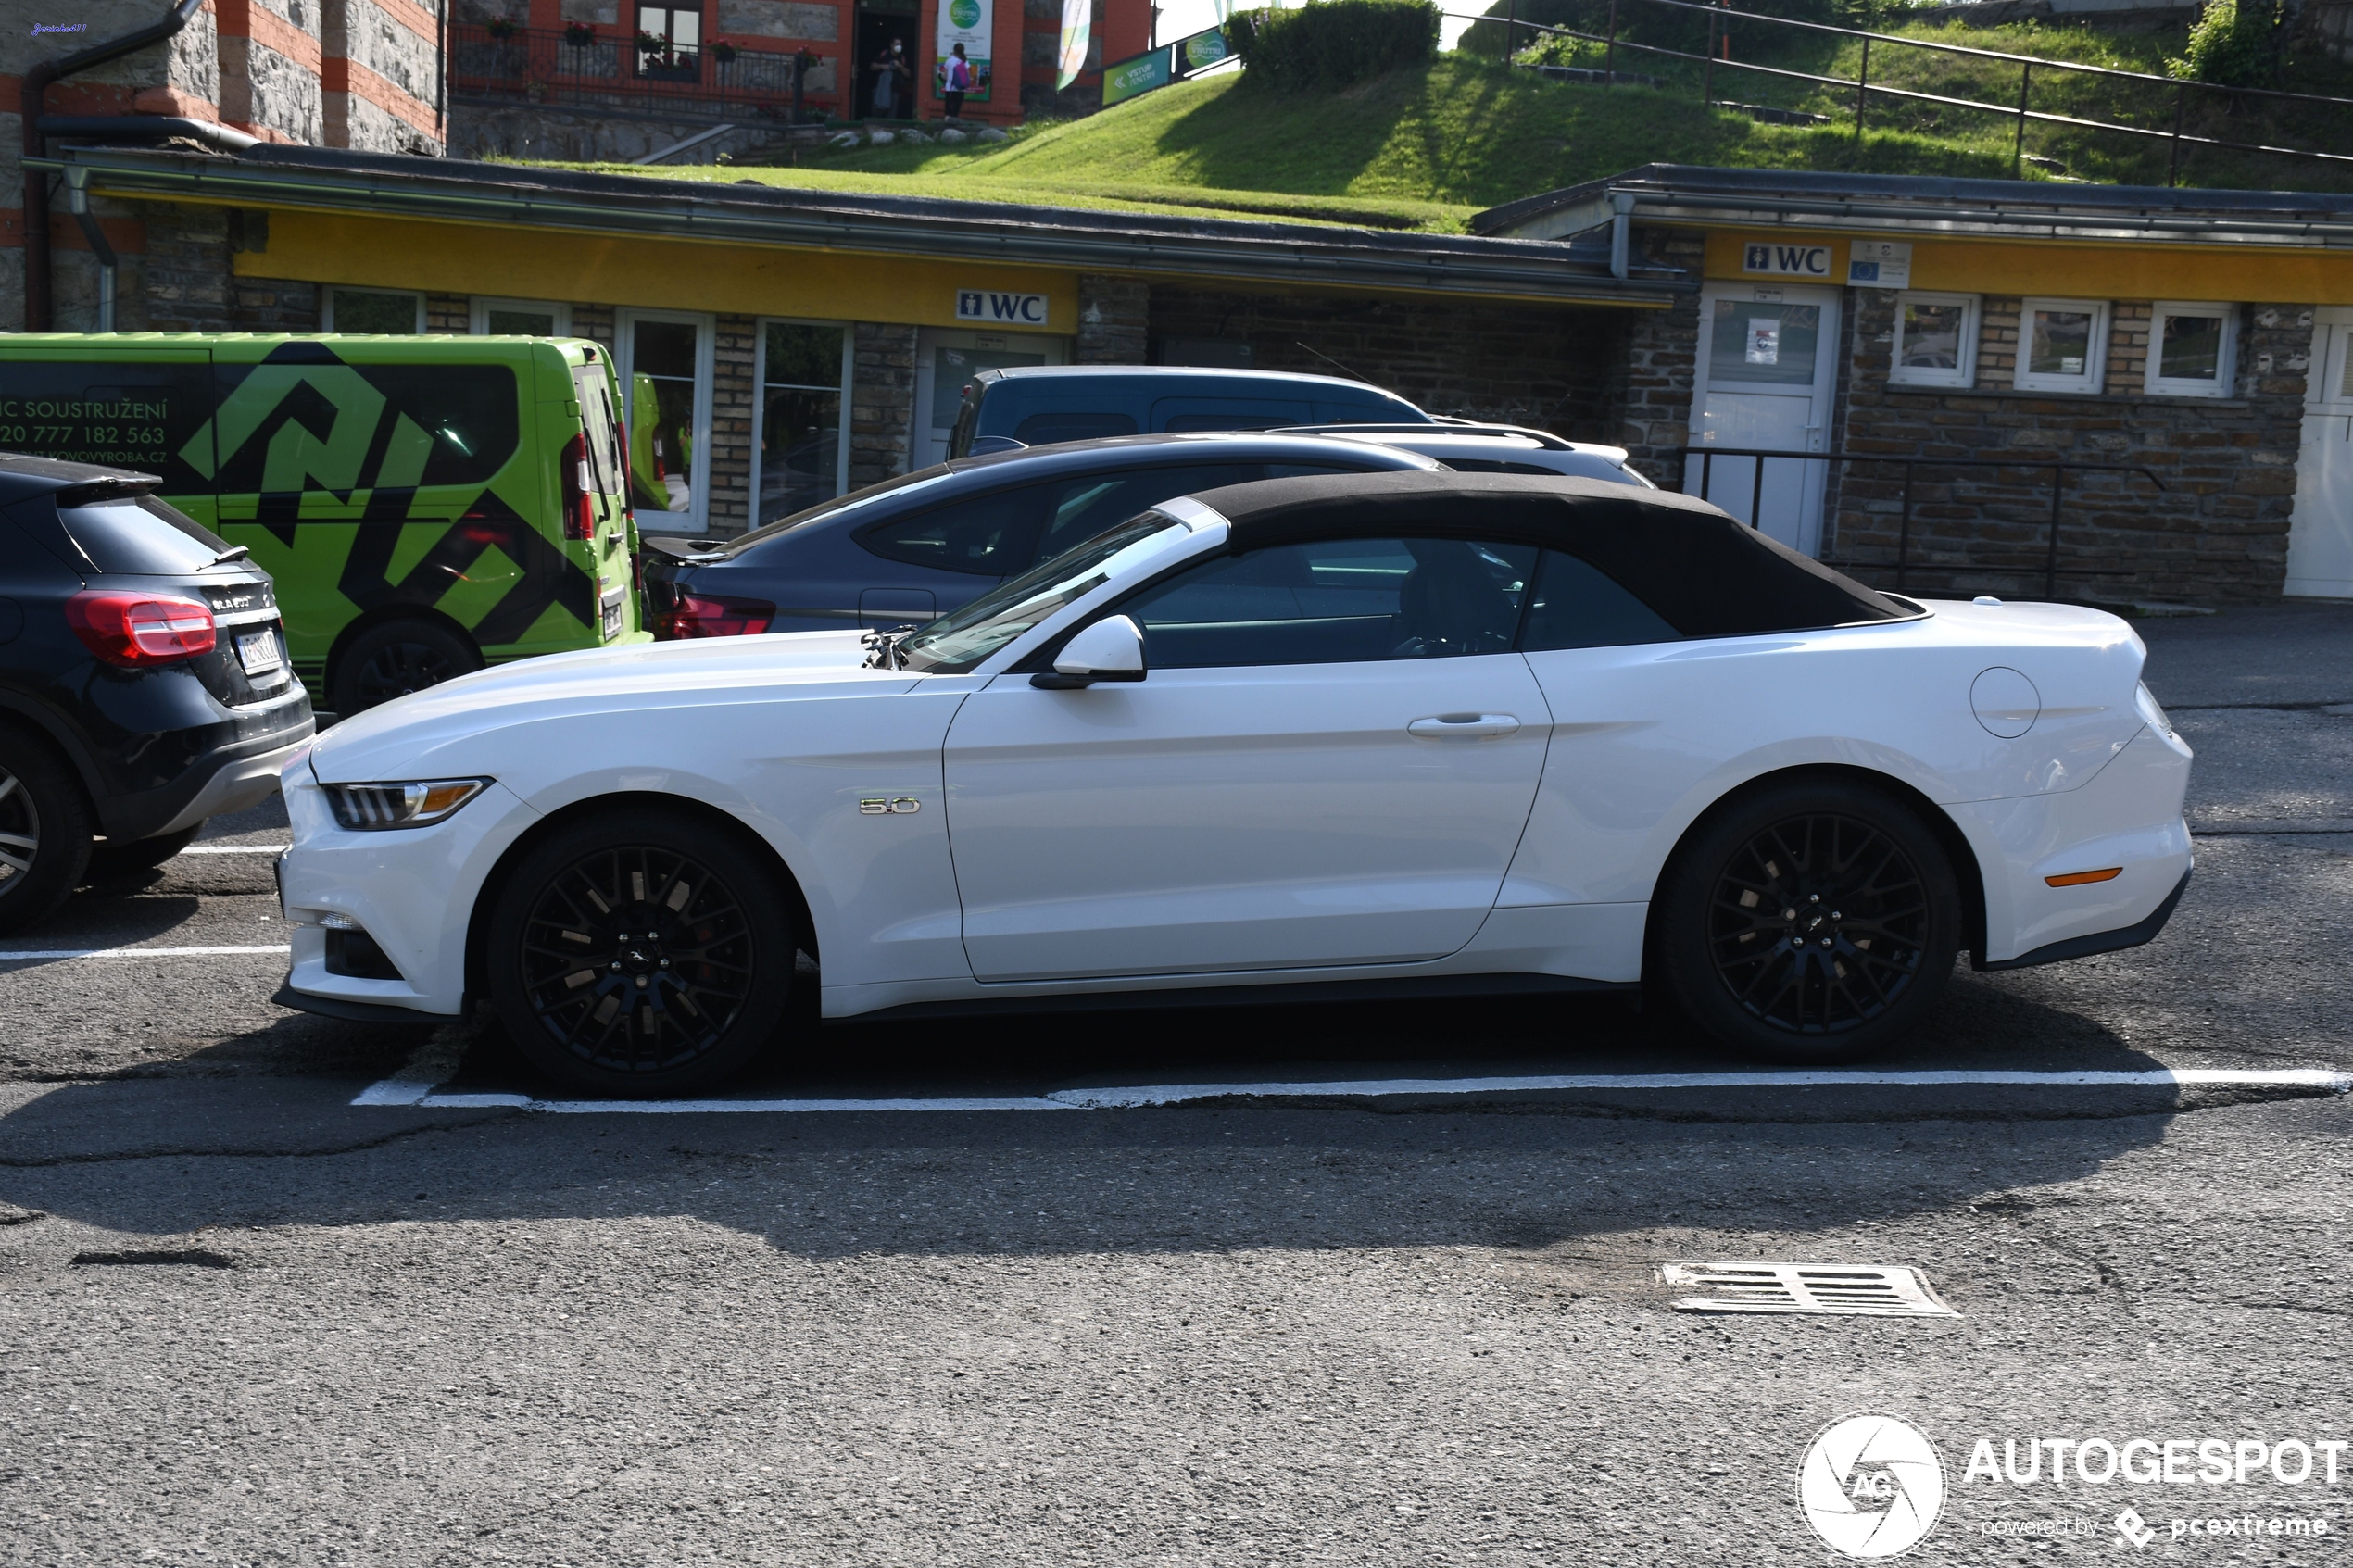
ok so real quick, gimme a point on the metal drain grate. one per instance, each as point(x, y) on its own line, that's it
point(1868, 1290)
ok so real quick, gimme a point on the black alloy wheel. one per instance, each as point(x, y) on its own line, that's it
point(625, 961)
point(44, 829)
point(1809, 923)
point(396, 658)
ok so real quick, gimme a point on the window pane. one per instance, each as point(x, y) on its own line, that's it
point(1337, 601)
point(800, 450)
point(2061, 343)
point(661, 416)
point(987, 536)
point(1932, 338)
point(363, 310)
point(500, 322)
point(1044, 430)
point(2190, 348)
point(1759, 341)
point(449, 425)
point(1577, 607)
point(801, 356)
point(1077, 509)
point(140, 535)
point(663, 348)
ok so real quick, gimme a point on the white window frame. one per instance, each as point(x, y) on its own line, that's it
point(327, 304)
point(478, 317)
point(760, 401)
point(2094, 374)
point(706, 365)
point(2226, 381)
point(1966, 374)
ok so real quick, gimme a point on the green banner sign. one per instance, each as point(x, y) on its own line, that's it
point(1141, 74)
point(1203, 50)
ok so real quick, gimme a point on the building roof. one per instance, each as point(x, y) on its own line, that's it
point(525, 196)
point(1913, 203)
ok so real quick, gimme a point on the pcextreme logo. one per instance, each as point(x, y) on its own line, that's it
point(1871, 1484)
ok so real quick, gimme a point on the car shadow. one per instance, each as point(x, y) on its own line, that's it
point(1522, 1169)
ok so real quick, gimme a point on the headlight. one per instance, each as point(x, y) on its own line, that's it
point(2151, 714)
point(370, 807)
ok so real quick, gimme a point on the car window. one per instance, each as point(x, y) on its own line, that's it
point(987, 535)
point(1337, 601)
point(1044, 430)
point(1577, 607)
point(961, 640)
point(299, 424)
point(141, 536)
point(1077, 509)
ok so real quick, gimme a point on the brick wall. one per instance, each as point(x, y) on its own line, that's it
point(2217, 532)
point(1114, 320)
point(449, 313)
point(882, 401)
point(733, 397)
point(1517, 363)
point(1649, 386)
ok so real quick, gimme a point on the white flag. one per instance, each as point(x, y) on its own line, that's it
point(1077, 28)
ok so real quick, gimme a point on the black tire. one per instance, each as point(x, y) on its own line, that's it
point(139, 855)
point(1812, 922)
point(395, 657)
point(44, 828)
point(693, 993)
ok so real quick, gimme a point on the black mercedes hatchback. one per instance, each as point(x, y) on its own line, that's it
point(144, 682)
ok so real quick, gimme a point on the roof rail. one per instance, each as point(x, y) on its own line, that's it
point(1441, 426)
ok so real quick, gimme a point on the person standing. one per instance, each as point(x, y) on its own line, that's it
point(890, 71)
point(960, 81)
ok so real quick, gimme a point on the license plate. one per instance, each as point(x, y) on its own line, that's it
point(258, 652)
point(611, 627)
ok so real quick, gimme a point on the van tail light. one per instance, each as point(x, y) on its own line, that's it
point(136, 630)
point(679, 615)
point(580, 520)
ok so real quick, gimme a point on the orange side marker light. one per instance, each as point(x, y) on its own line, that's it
point(2077, 879)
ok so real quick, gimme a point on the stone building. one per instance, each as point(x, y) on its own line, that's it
point(1946, 345)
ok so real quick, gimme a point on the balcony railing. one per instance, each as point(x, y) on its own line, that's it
point(562, 66)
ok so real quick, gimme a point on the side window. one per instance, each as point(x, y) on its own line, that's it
point(1044, 430)
point(1077, 509)
point(1577, 607)
point(315, 423)
point(1341, 601)
point(154, 417)
point(987, 535)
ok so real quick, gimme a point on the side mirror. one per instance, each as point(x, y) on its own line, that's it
point(1112, 649)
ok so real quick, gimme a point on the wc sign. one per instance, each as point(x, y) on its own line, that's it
point(1000, 309)
point(1786, 260)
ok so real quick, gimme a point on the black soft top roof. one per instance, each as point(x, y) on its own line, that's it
point(1706, 573)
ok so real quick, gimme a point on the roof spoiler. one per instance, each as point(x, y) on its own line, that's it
point(986, 445)
point(113, 487)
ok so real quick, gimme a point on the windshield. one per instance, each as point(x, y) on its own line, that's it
point(916, 480)
point(955, 644)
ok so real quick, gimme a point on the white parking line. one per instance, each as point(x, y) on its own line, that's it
point(236, 848)
point(29, 954)
point(410, 1091)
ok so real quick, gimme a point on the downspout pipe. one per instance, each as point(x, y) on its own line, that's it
point(35, 88)
point(1621, 233)
point(78, 203)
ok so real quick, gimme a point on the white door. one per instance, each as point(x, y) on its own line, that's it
point(1325, 765)
point(666, 360)
point(1767, 371)
point(2320, 541)
point(946, 358)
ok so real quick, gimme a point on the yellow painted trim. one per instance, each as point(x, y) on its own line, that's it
point(669, 274)
point(2136, 268)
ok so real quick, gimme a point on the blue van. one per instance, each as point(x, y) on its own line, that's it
point(1039, 404)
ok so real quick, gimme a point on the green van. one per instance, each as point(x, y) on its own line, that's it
point(425, 504)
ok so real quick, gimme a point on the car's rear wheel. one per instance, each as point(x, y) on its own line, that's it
point(44, 829)
point(641, 954)
point(395, 657)
point(1813, 921)
point(140, 854)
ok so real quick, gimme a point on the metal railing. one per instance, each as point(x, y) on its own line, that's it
point(602, 66)
point(1720, 17)
point(1984, 497)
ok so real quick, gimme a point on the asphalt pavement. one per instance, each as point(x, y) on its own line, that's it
point(1403, 1309)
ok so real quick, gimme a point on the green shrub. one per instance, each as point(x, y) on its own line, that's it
point(1333, 43)
point(2234, 43)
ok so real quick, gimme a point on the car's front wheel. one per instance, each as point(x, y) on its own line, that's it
point(641, 954)
point(1812, 922)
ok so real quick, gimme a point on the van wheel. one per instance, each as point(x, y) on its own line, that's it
point(640, 954)
point(395, 657)
point(1814, 922)
point(141, 854)
point(44, 829)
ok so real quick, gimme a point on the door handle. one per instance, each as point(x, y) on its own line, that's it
point(1463, 726)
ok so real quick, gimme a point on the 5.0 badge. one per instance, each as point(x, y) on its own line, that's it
point(875, 806)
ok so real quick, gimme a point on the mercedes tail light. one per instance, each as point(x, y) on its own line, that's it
point(679, 614)
point(136, 630)
point(580, 520)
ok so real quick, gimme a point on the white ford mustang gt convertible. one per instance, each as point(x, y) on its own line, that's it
point(1435, 733)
